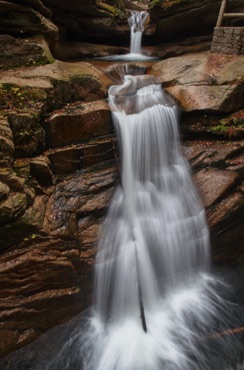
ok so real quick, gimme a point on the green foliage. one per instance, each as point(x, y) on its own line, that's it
point(228, 126)
point(30, 237)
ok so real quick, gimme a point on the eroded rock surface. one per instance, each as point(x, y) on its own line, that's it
point(58, 174)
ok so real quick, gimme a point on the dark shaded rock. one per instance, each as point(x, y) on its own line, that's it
point(40, 170)
point(17, 52)
point(178, 19)
point(78, 196)
point(30, 223)
point(23, 21)
point(90, 18)
point(77, 123)
point(6, 143)
point(9, 177)
point(76, 157)
point(33, 276)
point(12, 207)
point(179, 47)
point(220, 127)
point(211, 153)
point(4, 190)
point(28, 134)
point(77, 50)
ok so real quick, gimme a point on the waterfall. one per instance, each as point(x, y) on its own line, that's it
point(155, 301)
point(136, 22)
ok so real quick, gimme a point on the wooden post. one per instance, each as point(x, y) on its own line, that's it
point(221, 13)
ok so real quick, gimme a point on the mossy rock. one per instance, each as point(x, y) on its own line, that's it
point(17, 52)
point(231, 127)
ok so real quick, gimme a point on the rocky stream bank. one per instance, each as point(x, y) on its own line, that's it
point(58, 159)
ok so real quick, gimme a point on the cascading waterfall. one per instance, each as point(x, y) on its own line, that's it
point(137, 23)
point(156, 305)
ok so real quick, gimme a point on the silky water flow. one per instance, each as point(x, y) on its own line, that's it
point(157, 307)
point(137, 22)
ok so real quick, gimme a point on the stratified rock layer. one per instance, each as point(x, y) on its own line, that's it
point(58, 172)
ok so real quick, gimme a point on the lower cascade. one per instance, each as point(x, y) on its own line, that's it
point(157, 304)
point(157, 307)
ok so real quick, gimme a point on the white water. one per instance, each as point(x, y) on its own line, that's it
point(136, 22)
point(155, 235)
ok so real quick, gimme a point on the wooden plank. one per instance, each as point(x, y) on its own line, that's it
point(233, 15)
point(221, 13)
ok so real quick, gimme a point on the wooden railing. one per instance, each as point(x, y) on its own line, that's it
point(223, 15)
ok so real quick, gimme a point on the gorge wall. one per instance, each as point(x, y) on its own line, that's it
point(58, 150)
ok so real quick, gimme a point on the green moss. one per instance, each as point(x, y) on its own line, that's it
point(228, 126)
point(17, 97)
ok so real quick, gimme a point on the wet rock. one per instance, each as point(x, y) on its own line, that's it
point(12, 207)
point(76, 157)
point(78, 196)
point(27, 224)
point(211, 153)
point(33, 276)
point(28, 134)
point(225, 127)
point(51, 86)
point(222, 194)
point(77, 123)
point(214, 184)
point(204, 82)
point(40, 170)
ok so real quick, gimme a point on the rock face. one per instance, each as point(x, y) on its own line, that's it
point(176, 19)
point(45, 29)
point(204, 82)
point(57, 151)
point(58, 175)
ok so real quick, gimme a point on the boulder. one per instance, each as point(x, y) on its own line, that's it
point(75, 157)
point(204, 82)
point(78, 123)
point(12, 207)
point(23, 21)
point(51, 86)
point(17, 52)
point(28, 134)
